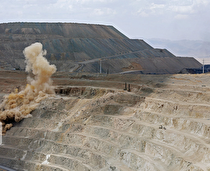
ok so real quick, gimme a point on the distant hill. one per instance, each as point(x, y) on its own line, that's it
point(93, 48)
point(194, 48)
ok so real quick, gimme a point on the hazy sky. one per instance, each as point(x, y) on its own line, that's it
point(167, 19)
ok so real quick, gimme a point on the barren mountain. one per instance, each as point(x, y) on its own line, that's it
point(194, 48)
point(86, 48)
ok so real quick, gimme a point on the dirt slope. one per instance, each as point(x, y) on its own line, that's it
point(74, 47)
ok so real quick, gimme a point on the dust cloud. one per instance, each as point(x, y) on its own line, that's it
point(18, 105)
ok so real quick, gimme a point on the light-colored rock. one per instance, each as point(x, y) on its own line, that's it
point(110, 129)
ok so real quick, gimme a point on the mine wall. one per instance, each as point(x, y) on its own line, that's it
point(95, 128)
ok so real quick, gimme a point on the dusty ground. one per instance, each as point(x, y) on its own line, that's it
point(162, 123)
point(9, 80)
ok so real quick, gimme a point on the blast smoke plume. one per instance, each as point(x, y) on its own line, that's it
point(19, 105)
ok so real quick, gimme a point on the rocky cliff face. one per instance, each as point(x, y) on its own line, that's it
point(79, 47)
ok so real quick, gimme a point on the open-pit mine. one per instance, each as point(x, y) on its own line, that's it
point(97, 112)
point(94, 122)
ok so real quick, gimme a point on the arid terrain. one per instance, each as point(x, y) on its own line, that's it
point(74, 47)
point(96, 122)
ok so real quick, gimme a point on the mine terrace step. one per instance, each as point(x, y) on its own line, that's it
point(196, 126)
point(189, 138)
point(150, 99)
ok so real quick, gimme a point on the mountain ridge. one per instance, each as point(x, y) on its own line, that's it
point(198, 49)
point(69, 44)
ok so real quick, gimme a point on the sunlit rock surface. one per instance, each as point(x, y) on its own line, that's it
point(161, 123)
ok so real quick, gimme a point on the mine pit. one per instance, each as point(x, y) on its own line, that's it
point(160, 127)
point(150, 128)
point(114, 104)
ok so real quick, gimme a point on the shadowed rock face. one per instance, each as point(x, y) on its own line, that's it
point(79, 47)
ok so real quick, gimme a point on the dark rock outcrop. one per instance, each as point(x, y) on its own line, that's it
point(85, 47)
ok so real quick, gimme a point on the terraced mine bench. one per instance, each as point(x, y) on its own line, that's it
point(150, 128)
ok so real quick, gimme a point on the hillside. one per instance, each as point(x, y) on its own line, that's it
point(85, 47)
point(195, 48)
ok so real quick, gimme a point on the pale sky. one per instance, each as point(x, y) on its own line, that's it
point(142, 19)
